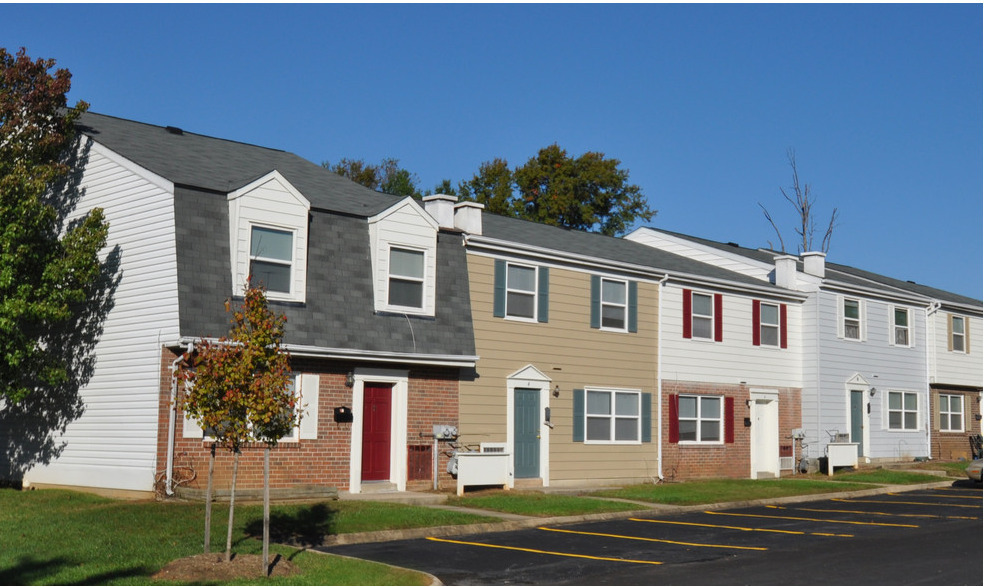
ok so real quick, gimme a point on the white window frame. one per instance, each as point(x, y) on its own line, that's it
point(532, 293)
point(709, 317)
point(895, 329)
point(700, 418)
point(846, 321)
point(955, 320)
point(950, 413)
point(603, 304)
point(763, 325)
point(612, 416)
point(903, 411)
point(275, 294)
point(423, 280)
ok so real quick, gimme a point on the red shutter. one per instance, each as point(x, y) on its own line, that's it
point(673, 435)
point(718, 317)
point(755, 323)
point(783, 326)
point(687, 313)
point(729, 420)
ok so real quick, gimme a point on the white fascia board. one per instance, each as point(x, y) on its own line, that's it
point(698, 246)
point(144, 173)
point(272, 176)
point(649, 274)
point(408, 201)
point(299, 350)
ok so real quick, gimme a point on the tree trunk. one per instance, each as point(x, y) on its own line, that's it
point(208, 502)
point(266, 511)
point(232, 501)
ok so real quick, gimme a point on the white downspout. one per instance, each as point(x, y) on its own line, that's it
point(660, 403)
point(928, 342)
point(172, 422)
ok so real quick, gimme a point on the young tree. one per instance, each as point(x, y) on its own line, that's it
point(803, 202)
point(47, 267)
point(239, 390)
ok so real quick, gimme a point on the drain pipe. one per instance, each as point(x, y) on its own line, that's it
point(928, 342)
point(660, 401)
point(172, 422)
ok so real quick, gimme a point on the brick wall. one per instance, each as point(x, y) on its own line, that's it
point(954, 445)
point(432, 399)
point(690, 461)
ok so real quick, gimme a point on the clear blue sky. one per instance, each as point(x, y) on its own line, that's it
point(882, 103)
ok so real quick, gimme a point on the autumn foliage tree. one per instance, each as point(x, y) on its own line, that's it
point(48, 266)
point(239, 389)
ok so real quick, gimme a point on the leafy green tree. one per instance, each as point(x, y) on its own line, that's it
point(589, 193)
point(239, 390)
point(47, 266)
point(387, 177)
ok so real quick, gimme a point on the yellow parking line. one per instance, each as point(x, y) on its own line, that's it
point(936, 504)
point(535, 551)
point(812, 520)
point(744, 529)
point(933, 516)
point(653, 539)
point(978, 497)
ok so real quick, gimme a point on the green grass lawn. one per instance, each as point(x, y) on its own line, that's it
point(723, 490)
point(69, 538)
point(885, 477)
point(540, 504)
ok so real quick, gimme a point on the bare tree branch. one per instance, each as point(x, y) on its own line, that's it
point(780, 236)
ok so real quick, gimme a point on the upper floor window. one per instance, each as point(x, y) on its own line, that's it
point(903, 410)
point(614, 304)
point(406, 281)
point(520, 291)
point(901, 326)
point(957, 339)
point(612, 416)
point(769, 324)
point(852, 319)
point(271, 258)
point(702, 315)
point(951, 409)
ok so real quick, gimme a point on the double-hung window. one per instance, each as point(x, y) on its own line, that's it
point(851, 319)
point(901, 326)
point(903, 410)
point(521, 291)
point(271, 258)
point(699, 418)
point(614, 304)
point(406, 281)
point(957, 330)
point(769, 324)
point(612, 416)
point(951, 408)
point(702, 316)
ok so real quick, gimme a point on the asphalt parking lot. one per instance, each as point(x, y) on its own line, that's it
point(929, 536)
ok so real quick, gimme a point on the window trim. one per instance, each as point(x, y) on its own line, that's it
point(843, 319)
point(954, 319)
point(423, 280)
point(894, 328)
point(716, 315)
point(533, 294)
point(613, 417)
point(699, 418)
point(949, 413)
point(624, 305)
point(903, 411)
point(292, 265)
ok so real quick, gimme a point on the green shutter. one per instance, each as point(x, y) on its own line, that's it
point(543, 292)
point(632, 307)
point(645, 408)
point(596, 301)
point(499, 289)
point(578, 423)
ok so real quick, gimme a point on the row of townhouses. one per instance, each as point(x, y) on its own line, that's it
point(561, 357)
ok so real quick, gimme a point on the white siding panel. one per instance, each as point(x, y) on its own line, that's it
point(952, 367)
point(114, 443)
point(699, 252)
point(405, 226)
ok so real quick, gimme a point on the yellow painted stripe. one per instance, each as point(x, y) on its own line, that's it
point(535, 551)
point(653, 539)
point(744, 529)
point(978, 497)
point(935, 504)
point(812, 520)
point(936, 517)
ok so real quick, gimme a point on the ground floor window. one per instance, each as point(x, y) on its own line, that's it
point(700, 418)
point(903, 410)
point(951, 408)
point(612, 416)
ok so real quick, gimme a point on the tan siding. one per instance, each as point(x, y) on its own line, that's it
point(573, 355)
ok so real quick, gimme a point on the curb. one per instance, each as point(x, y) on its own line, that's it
point(646, 508)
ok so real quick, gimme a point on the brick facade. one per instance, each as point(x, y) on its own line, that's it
point(952, 445)
point(691, 461)
point(322, 462)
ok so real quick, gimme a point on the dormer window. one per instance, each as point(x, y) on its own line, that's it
point(271, 258)
point(406, 285)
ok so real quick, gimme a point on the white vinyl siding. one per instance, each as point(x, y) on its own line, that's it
point(404, 227)
point(114, 442)
point(951, 367)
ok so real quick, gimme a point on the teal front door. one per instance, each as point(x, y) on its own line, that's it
point(526, 433)
point(858, 417)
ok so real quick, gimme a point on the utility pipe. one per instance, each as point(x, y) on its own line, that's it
point(660, 402)
point(172, 422)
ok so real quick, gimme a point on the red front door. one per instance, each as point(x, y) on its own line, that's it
point(376, 431)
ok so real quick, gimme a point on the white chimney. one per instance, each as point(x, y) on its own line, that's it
point(814, 263)
point(441, 207)
point(468, 217)
point(785, 275)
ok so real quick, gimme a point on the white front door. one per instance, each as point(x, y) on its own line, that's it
point(764, 441)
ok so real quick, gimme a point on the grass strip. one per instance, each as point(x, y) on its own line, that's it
point(539, 504)
point(724, 490)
